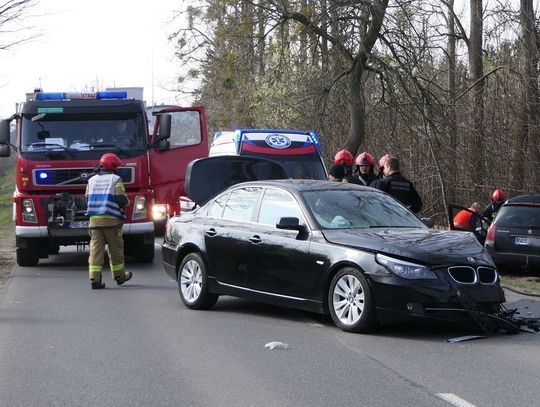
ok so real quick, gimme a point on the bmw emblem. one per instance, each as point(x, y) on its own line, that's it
point(470, 259)
point(278, 141)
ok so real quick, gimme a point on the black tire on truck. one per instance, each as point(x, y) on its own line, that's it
point(141, 247)
point(27, 252)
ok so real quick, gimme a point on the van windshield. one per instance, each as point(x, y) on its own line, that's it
point(306, 166)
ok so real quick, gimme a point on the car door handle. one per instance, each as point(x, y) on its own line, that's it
point(255, 239)
point(211, 232)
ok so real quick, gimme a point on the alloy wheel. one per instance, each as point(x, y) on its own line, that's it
point(191, 281)
point(348, 299)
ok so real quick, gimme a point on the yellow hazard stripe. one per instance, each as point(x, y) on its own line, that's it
point(117, 267)
point(95, 269)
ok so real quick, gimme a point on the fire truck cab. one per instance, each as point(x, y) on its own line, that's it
point(60, 139)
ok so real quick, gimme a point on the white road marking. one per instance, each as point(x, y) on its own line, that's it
point(454, 400)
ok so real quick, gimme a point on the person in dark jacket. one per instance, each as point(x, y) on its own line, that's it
point(497, 199)
point(344, 159)
point(398, 186)
point(336, 173)
point(365, 169)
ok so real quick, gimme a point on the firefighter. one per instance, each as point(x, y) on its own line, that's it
point(497, 199)
point(468, 220)
point(345, 159)
point(365, 174)
point(106, 199)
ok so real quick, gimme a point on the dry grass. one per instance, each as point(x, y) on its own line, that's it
point(523, 282)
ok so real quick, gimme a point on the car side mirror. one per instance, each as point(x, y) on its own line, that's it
point(427, 221)
point(186, 204)
point(290, 224)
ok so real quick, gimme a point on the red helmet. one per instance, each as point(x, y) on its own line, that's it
point(110, 161)
point(343, 157)
point(384, 159)
point(498, 195)
point(365, 159)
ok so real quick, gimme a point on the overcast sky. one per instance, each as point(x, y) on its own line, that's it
point(111, 43)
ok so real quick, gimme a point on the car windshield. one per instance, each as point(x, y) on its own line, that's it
point(519, 217)
point(77, 133)
point(358, 209)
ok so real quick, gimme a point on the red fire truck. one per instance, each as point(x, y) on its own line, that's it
point(61, 137)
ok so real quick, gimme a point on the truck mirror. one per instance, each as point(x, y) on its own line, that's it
point(163, 145)
point(4, 132)
point(5, 151)
point(164, 126)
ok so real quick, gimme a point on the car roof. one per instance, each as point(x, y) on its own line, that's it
point(302, 185)
point(526, 199)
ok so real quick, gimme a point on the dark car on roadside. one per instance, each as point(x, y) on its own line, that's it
point(513, 239)
point(341, 249)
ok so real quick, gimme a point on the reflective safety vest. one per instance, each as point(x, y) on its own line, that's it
point(101, 195)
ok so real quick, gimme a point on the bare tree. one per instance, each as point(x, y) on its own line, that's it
point(526, 136)
point(355, 51)
point(12, 13)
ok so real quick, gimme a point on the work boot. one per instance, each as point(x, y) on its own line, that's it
point(96, 284)
point(121, 279)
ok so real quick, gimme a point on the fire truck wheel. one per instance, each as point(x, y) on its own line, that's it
point(27, 257)
point(144, 252)
point(54, 249)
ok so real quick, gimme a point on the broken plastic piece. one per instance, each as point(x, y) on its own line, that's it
point(465, 338)
point(276, 345)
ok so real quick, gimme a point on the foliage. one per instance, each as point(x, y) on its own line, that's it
point(291, 64)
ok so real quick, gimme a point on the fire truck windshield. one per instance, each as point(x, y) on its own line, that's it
point(83, 135)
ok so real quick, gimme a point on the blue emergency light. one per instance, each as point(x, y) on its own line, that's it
point(42, 96)
point(43, 175)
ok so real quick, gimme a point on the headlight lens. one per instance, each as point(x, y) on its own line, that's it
point(139, 207)
point(404, 269)
point(28, 211)
point(159, 212)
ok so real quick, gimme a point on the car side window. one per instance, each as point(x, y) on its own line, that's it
point(278, 204)
point(216, 209)
point(241, 203)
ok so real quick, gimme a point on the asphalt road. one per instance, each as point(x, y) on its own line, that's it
point(62, 344)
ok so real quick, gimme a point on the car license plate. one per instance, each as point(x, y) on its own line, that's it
point(80, 224)
point(522, 241)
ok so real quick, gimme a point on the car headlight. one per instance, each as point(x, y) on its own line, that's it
point(404, 269)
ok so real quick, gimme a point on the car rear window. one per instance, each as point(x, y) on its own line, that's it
point(519, 217)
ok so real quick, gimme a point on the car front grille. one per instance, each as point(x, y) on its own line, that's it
point(56, 176)
point(470, 275)
point(487, 275)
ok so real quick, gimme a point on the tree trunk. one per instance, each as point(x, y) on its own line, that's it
point(526, 135)
point(476, 71)
point(452, 93)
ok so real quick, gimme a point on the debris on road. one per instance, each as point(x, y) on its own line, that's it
point(276, 345)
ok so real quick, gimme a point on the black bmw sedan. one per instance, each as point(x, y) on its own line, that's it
point(353, 252)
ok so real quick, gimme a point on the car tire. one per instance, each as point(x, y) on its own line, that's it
point(351, 301)
point(193, 283)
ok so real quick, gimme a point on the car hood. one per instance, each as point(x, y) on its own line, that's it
point(427, 246)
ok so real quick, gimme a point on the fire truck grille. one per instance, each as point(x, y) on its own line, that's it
point(77, 176)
